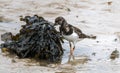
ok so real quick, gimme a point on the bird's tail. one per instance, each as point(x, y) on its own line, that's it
point(91, 37)
point(88, 36)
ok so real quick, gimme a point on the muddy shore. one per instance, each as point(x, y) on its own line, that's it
point(97, 17)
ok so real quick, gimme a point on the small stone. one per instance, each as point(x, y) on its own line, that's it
point(77, 16)
point(13, 61)
point(83, 21)
point(97, 41)
point(115, 39)
point(93, 53)
point(68, 9)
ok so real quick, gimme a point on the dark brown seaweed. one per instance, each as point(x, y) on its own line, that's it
point(36, 39)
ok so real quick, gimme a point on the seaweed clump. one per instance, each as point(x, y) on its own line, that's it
point(37, 39)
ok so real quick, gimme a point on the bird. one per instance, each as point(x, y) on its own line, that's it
point(70, 33)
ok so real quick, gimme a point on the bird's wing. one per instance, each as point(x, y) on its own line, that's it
point(79, 32)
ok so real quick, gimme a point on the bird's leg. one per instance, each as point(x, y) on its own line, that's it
point(72, 47)
point(73, 51)
point(70, 53)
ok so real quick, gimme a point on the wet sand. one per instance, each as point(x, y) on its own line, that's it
point(97, 17)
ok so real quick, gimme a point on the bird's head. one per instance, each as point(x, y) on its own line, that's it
point(59, 21)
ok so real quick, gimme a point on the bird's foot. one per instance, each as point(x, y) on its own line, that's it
point(71, 57)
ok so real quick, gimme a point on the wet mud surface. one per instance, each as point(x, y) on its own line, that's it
point(90, 56)
point(92, 17)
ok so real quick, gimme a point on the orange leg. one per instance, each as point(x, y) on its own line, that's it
point(71, 51)
point(72, 47)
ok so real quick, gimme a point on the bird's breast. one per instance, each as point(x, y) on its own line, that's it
point(57, 27)
point(73, 37)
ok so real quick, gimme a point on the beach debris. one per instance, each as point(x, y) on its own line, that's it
point(83, 21)
point(77, 16)
point(97, 41)
point(114, 54)
point(6, 37)
point(1, 18)
point(109, 3)
point(115, 39)
point(37, 39)
point(94, 53)
point(13, 61)
point(68, 9)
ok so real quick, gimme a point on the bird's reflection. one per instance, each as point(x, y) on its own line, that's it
point(75, 61)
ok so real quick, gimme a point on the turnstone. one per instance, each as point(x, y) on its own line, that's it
point(70, 33)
